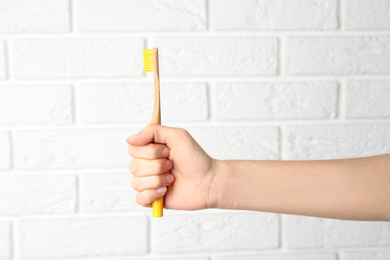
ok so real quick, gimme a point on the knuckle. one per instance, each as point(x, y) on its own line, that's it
point(151, 198)
point(157, 152)
point(160, 165)
point(132, 166)
point(183, 133)
point(158, 182)
point(134, 184)
point(138, 199)
point(150, 127)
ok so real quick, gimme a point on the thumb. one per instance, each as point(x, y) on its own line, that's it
point(153, 133)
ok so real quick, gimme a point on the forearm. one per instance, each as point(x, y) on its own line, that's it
point(356, 189)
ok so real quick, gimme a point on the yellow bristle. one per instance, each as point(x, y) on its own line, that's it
point(148, 60)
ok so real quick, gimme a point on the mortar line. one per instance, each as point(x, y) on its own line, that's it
point(281, 55)
point(209, 22)
point(196, 33)
point(77, 209)
point(12, 163)
point(70, 15)
point(211, 101)
point(282, 142)
point(195, 79)
point(200, 124)
point(342, 100)
point(6, 61)
point(74, 106)
point(341, 15)
point(73, 21)
point(15, 243)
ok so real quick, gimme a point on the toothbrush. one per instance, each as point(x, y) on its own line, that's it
point(151, 65)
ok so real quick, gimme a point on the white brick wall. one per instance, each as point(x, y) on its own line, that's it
point(308, 232)
point(301, 256)
point(367, 14)
point(5, 153)
point(34, 16)
point(107, 193)
point(339, 55)
point(222, 56)
point(35, 105)
point(77, 58)
point(80, 237)
point(37, 195)
point(368, 99)
point(337, 141)
point(5, 240)
point(250, 79)
point(228, 232)
point(3, 60)
point(366, 255)
point(71, 149)
point(130, 15)
point(114, 103)
point(274, 14)
point(245, 143)
point(275, 101)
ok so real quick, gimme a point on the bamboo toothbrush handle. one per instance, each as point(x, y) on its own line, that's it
point(158, 205)
point(156, 116)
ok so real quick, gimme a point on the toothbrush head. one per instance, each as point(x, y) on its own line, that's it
point(148, 60)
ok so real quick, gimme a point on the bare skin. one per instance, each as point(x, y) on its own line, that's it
point(354, 189)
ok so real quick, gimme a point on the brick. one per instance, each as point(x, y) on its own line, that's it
point(338, 55)
point(77, 58)
point(37, 195)
point(3, 69)
point(246, 143)
point(337, 141)
point(5, 240)
point(274, 14)
point(257, 101)
point(107, 193)
point(308, 232)
point(124, 103)
point(291, 256)
point(367, 14)
point(125, 15)
point(5, 151)
point(83, 237)
point(368, 98)
point(366, 255)
point(32, 16)
point(222, 56)
point(222, 232)
point(72, 149)
point(35, 105)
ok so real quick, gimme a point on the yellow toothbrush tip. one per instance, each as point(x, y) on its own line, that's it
point(148, 60)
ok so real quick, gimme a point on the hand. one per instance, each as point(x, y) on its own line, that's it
point(170, 157)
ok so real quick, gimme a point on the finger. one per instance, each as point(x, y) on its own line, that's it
point(157, 134)
point(146, 197)
point(151, 182)
point(149, 151)
point(143, 167)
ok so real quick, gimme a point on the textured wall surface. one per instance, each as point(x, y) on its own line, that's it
point(250, 79)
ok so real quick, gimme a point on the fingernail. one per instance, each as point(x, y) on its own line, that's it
point(165, 152)
point(131, 137)
point(161, 190)
point(169, 164)
point(169, 178)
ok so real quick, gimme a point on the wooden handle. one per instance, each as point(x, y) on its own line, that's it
point(158, 205)
point(156, 116)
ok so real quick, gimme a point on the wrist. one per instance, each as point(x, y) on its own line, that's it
point(219, 187)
